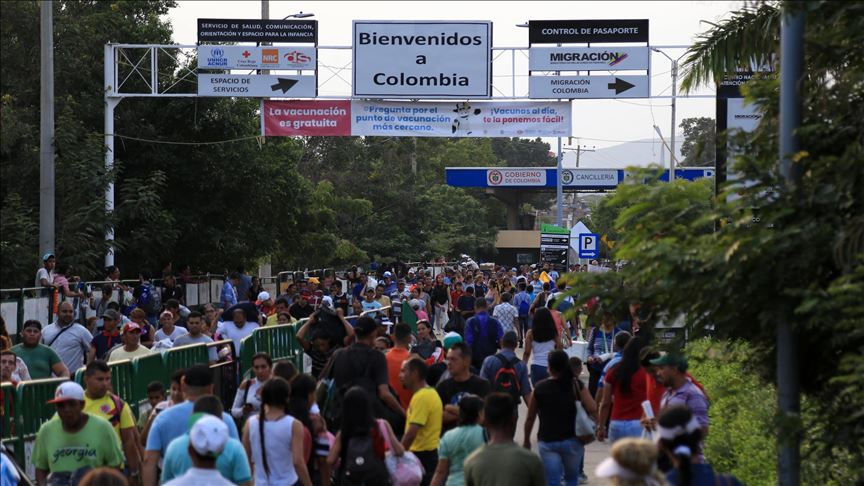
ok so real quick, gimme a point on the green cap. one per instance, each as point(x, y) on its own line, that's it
point(667, 359)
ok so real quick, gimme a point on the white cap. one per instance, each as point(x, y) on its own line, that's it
point(263, 296)
point(209, 436)
point(611, 468)
point(327, 302)
point(387, 274)
point(67, 391)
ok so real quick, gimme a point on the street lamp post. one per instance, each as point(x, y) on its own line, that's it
point(672, 158)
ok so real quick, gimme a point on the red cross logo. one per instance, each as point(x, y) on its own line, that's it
point(246, 54)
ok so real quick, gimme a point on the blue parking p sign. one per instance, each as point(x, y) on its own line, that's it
point(589, 245)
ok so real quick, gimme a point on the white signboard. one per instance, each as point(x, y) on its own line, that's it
point(590, 177)
point(588, 87)
point(588, 58)
point(420, 59)
point(251, 57)
point(516, 177)
point(261, 86)
point(740, 116)
point(575, 231)
point(460, 119)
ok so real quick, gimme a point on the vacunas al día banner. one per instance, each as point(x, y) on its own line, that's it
point(421, 119)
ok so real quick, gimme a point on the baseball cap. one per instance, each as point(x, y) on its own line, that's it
point(46, 256)
point(68, 391)
point(314, 280)
point(451, 338)
point(667, 359)
point(111, 314)
point(387, 274)
point(401, 280)
point(208, 435)
point(369, 289)
point(131, 326)
point(327, 301)
point(263, 295)
point(165, 313)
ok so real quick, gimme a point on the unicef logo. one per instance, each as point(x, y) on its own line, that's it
point(218, 52)
point(495, 177)
point(567, 177)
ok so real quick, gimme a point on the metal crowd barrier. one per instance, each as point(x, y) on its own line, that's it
point(280, 342)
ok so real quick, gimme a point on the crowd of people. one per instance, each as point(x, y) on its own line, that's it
point(415, 378)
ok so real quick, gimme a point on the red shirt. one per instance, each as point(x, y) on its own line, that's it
point(395, 357)
point(628, 406)
point(454, 296)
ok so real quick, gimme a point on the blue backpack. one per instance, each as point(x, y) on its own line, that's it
point(150, 301)
point(524, 305)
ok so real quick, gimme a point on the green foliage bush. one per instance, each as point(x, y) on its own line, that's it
point(741, 437)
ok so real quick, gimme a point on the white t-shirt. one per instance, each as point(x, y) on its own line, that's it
point(229, 330)
point(44, 273)
point(177, 332)
point(200, 477)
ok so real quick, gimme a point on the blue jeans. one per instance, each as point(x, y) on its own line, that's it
point(538, 373)
point(619, 429)
point(561, 458)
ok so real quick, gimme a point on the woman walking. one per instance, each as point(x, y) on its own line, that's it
point(554, 400)
point(359, 425)
point(625, 389)
point(274, 440)
point(541, 340)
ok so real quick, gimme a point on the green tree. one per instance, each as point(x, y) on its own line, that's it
point(700, 143)
point(802, 262)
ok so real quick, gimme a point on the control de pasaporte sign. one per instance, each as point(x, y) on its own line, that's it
point(422, 59)
point(584, 31)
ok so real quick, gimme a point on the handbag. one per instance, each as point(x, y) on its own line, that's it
point(585, 426)
point(405, 470)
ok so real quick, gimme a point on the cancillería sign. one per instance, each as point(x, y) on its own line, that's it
point(583, 31)
point(588, 58)
point(588, 87)
point(422, 59)
point(252, 57)
point(260, 86)
point(257, 30)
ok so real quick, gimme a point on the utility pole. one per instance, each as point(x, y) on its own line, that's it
point(46, 129)
point(672, 132)
point(265, 15)
point(579, 151)
point(788, 384)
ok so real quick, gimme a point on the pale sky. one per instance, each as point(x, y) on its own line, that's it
point(600, 123)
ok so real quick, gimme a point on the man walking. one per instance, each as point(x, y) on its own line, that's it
point(423, 422)
point(75, 443)
point(132, 347)
point(195, 326)
point(100, 402)
point(173, 422)
point(506, 372)
point(461, 382)
point(70, 340)
point(41, 360)
point(501, 462)
point(483, 333)
point(395, 357)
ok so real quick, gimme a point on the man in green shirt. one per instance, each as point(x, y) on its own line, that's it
point(41, 360)
point(76, 441)
point(501, 462)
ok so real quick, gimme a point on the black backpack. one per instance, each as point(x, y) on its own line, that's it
point(506, 379)
point(361, 465)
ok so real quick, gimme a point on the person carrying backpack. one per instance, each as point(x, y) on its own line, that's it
point(147, 297)
point(483, 333)
point(506, 372)
point(360, 446)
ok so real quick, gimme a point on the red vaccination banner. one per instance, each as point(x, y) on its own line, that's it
point(320, 118)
